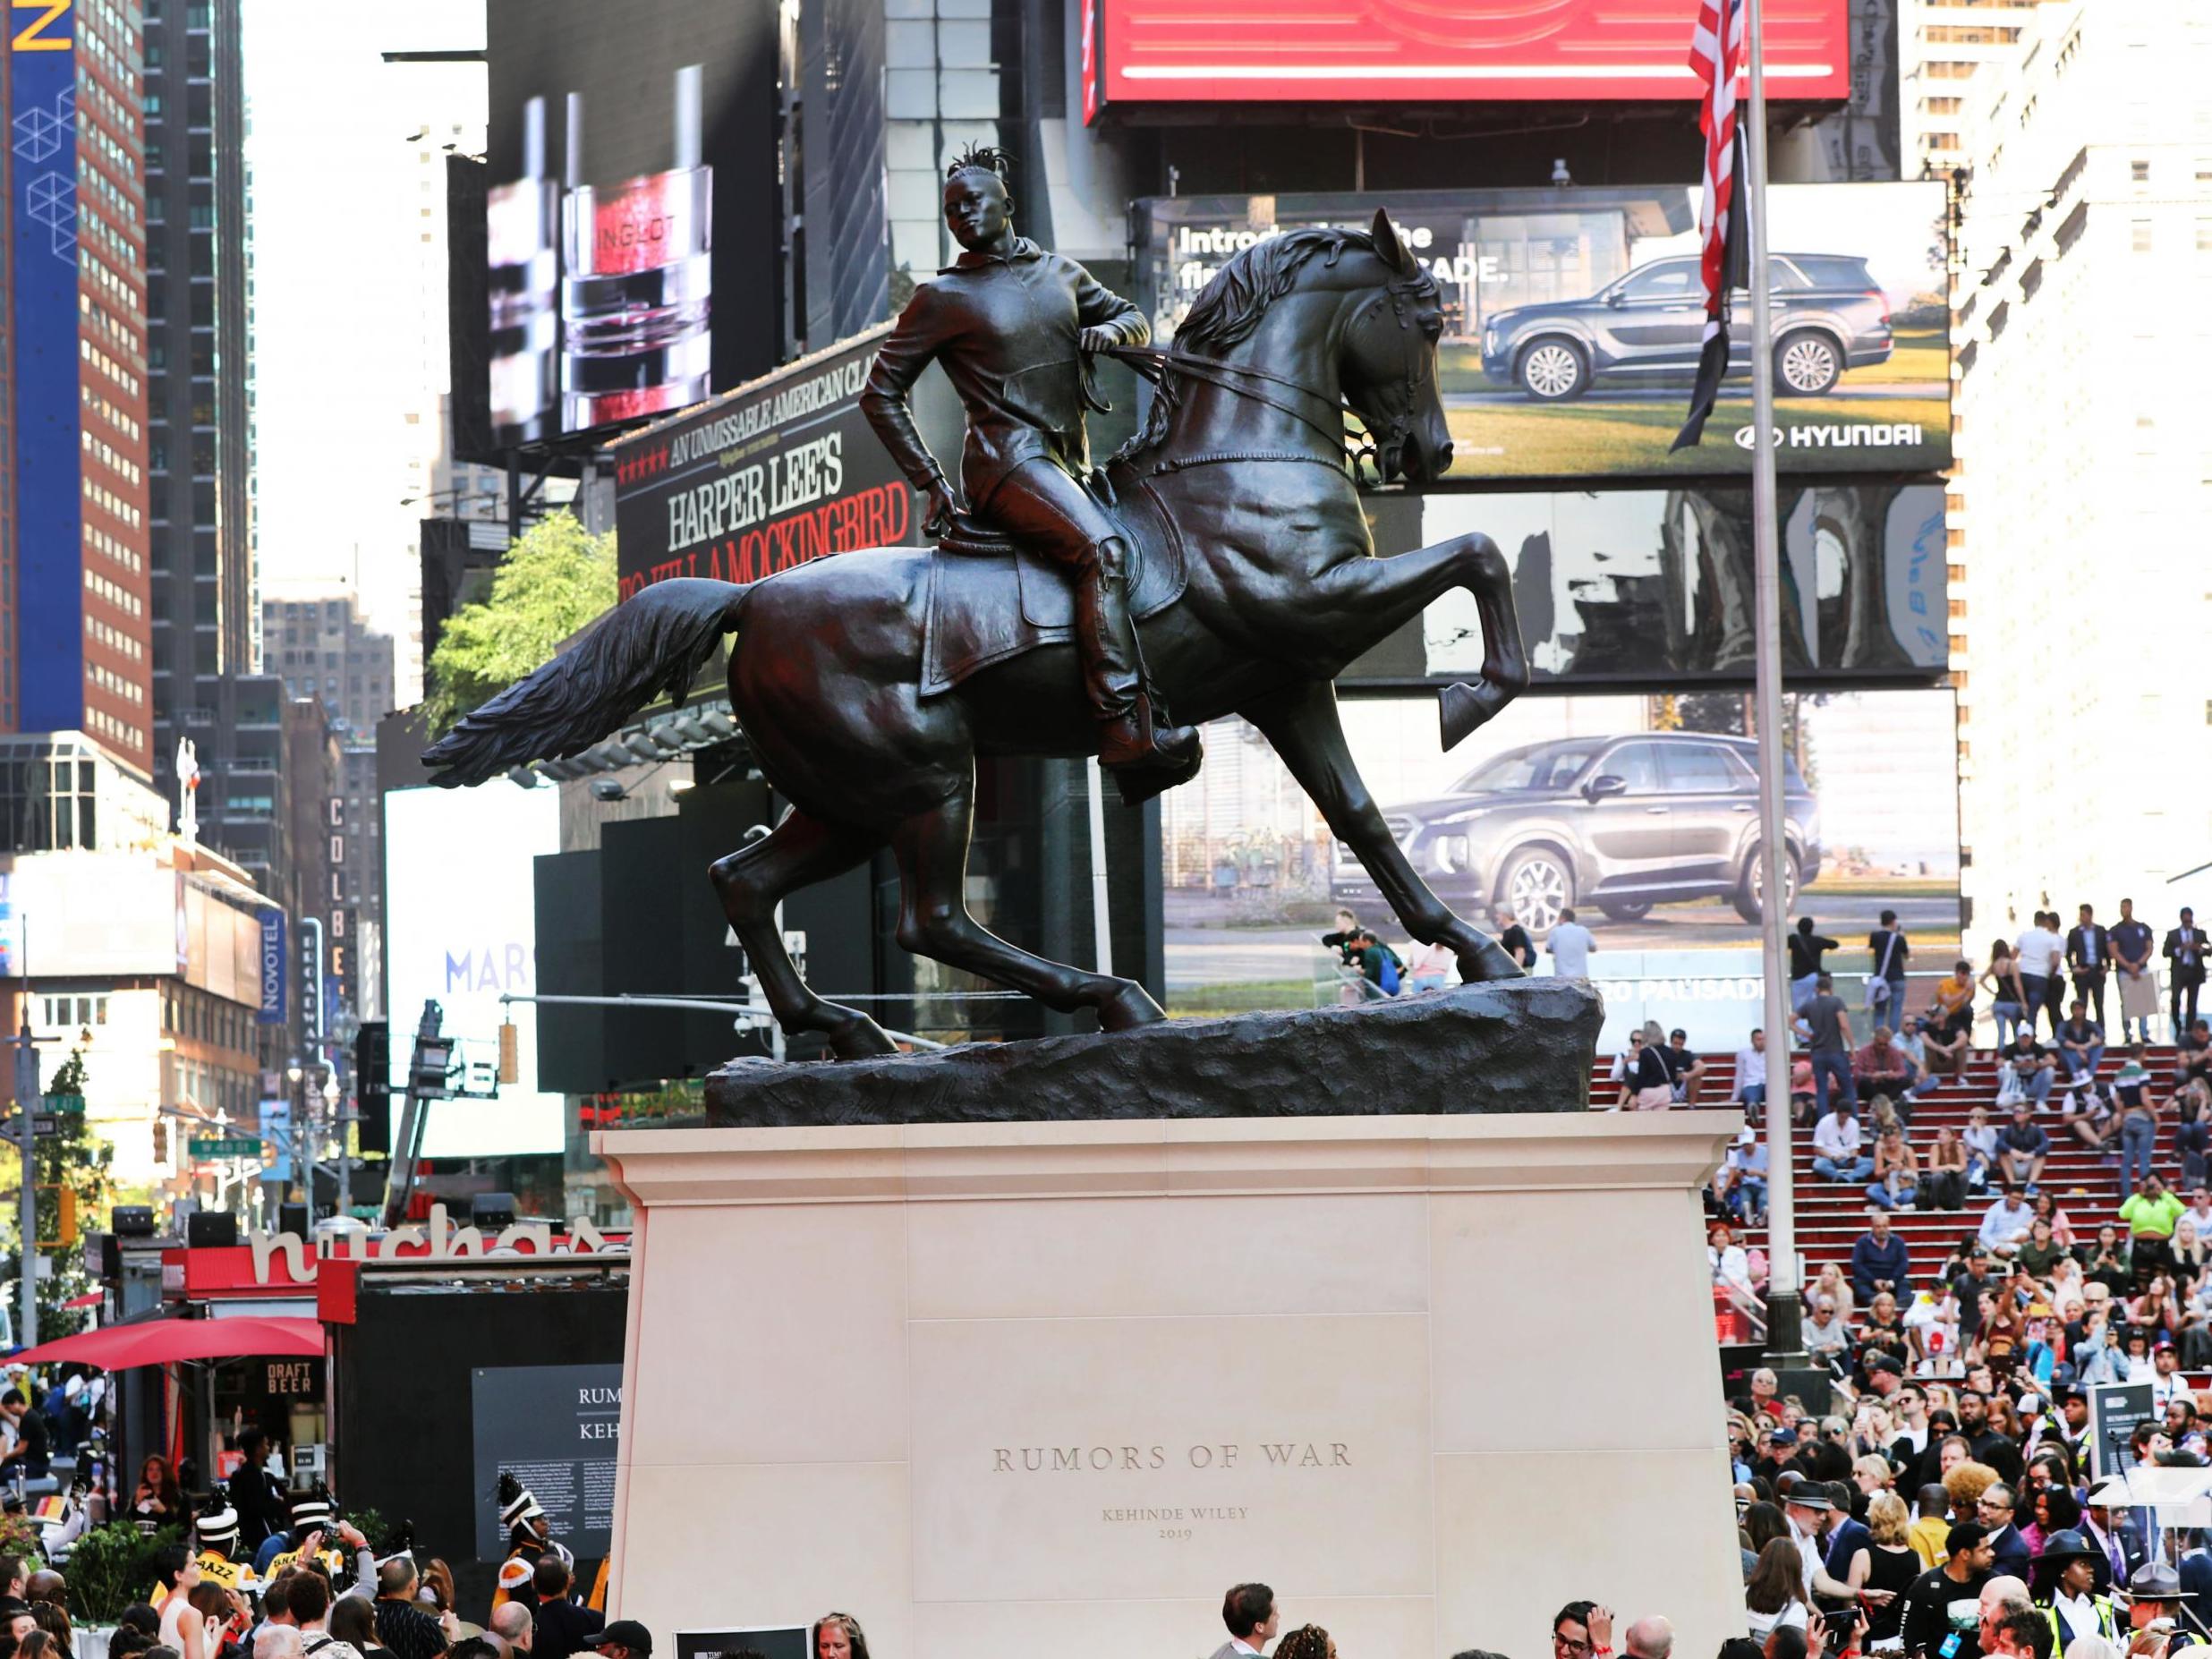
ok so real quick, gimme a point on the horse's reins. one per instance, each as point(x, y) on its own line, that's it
point(1156, 364)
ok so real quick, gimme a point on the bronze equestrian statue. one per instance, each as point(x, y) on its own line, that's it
point(868, 683)
point(1011, 324)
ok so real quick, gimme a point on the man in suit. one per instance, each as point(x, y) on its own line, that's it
point(1995, 1512)
point(2112, 1534)
point(1250, 1613)
point(2089, 954)
point(2185, 949)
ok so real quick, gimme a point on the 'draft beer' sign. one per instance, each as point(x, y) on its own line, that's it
point(777, 473)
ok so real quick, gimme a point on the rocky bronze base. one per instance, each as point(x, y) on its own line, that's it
point(1519, 1046)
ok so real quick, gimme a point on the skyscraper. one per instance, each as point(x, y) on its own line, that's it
point(204, 681)
point(2083, 468)
point(202, 578)
point(75, 641)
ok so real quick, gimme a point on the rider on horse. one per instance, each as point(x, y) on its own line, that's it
point(1010, 321)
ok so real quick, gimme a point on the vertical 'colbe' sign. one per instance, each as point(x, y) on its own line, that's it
point(272, 1009)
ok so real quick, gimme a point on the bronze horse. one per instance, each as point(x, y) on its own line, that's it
point(1242, 467)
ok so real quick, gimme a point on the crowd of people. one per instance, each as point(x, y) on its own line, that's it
point(1937, 1498)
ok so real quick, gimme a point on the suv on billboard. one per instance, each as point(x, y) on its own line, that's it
point(1830, 315)
point(1623, 823)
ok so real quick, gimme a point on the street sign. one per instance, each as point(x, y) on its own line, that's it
point(65, 1103)
point(225, 1148)
point(41, 1123)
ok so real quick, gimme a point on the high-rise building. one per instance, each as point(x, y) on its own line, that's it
point(322, 648)
point(1944, 44)
point(436, 102)
point(324, 652)
point(75, 600)
point(199, 460)
point(2083, 465)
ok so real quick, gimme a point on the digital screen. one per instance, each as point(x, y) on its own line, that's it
point(1163, 51)
point(630, 240)
point(1653, 589)
point(1657, 868)
point(1573, 320)
point(460, 929)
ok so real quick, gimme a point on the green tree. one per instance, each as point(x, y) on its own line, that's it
point(78, 1160)
point(555, 578)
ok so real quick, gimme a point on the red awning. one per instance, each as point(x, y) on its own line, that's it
point(163, 1341)
point(90, 1298)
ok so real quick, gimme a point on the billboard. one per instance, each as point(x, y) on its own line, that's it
point(40, 87)
point(1391, 51)
point(778, 473)
point(630, 248)
point(1573, 319)
point(460, 929)
point(1652, 589)
point(1657, 868)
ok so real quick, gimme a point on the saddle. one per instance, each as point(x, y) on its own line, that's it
point(991, 600)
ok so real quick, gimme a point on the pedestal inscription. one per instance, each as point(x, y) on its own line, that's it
point(1164, 1454)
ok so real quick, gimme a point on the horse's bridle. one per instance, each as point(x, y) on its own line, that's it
point(1159, 364)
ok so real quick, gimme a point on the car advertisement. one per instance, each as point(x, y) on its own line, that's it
point(1573, 319)
point(1641, 813)
point(1384, 51)
point(1653, 589)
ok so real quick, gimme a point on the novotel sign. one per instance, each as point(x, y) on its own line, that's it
point(1396, 51)
point(273, 976)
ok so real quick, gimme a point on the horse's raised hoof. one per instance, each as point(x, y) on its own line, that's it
point(1129, 1007)
point(1488, 962)
point(1464, 709)
point(858, 1037)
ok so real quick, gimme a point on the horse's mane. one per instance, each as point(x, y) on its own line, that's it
point(1229, 307)
point(1232, 306)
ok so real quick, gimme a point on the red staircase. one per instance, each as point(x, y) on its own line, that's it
point(1831, 1214)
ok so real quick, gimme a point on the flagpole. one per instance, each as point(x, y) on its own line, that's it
point(1784, 1303)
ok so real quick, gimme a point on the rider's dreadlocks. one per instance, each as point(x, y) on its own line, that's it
point(981, 158)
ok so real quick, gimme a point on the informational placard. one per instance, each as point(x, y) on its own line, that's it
point(781, 1641)
point(555, 1428)
point(2114, 1410)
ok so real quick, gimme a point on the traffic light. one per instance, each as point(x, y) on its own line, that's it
point(161, 1142)
point(64, 1231)
point(372, 1085)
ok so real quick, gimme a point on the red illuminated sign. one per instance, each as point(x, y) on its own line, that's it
point(1309, 51)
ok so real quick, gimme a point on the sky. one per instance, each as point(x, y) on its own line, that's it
point(333, 317)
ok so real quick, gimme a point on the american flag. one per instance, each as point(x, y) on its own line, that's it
point(1717, 52)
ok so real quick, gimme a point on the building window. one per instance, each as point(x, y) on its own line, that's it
point(2139, 170)
point(76, 1013)
point(2140, 235)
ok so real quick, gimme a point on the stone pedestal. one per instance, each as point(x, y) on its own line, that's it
point(1003, 1388)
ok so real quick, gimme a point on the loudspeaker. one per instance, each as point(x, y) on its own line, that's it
point(490, 1209)
point(210, 1230)
point(292, 1218)
point(132, 1220)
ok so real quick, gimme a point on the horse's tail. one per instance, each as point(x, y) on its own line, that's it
point(644, 646)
